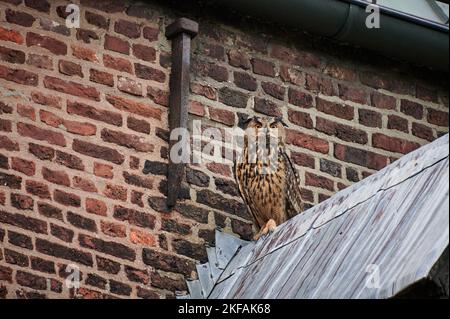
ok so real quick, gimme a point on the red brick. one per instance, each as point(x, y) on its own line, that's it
point(412, 109)
point(96, 207)
point(307, 141)
point(67, 199)
point(370, 118)
point(212, 70)
point(39, 5)
point(8, 144)
point(196, 108)
point(383, 101)
point(245, 81)
point(397, 123)
point(158, 96)
point(71, 88)
point(426, 94)
point(336, 109)
point(107, 247)
point(319, 181)
point(319, 84)
point(393, 144)
point(22, 202)
point(136, 198)
point(148, 73)
point(138, 181)
point(303, 159)
point(18, 76)
point(222, 116)
point(45, 99)
point(115, 192)
point(437, 117)
point(138, 125)
point(97, 151)
point(128, 29)
point(50, 211)
point(11, 55)
point(84, 184)
point(5, 125)
point(116, 44)
point(56, 177)
point(101, 77)
point(422, 131)
point(113, 229)
point(126, 140)
point(70, 68)
point(384, 81)
point(300, 118)
point(292, 76)
point(353, 94)
point(84, 129)
point(150, 33)
point(118, 64)
point(274, 90)
point(26, 111)
point(37, 133)
point(37, 188)
point(341, 72)
point(144, 52)
point(94, 113)
point(86, 35)
point(299, 98)
point(129, 86)
point(134, 107)
point(97, 20)
point(341, 131)
point(23, 166)
point(263, 67)
point(69, 160)
point(204, 90)
point(54, 46)
point(10, 35)
point(239, 59)
point(267, 107)
point(360, 157)
point(84, 53)
point(142, 238)
point(20, 18)
point(42, 152)
point(103, 170)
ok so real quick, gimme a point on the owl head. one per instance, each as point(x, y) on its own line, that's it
point(269, 126)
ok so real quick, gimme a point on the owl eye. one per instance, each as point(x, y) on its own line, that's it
point(273, 125)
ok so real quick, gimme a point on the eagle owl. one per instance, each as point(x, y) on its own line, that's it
point(268, 182)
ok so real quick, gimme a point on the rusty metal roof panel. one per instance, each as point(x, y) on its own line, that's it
point(370, 240)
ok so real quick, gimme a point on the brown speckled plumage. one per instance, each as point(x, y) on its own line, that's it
point(273, 197)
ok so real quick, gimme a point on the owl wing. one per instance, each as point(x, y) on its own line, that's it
point(294, 203)
point(243, 192)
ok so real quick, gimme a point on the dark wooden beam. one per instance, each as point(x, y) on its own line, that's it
point(180, 32)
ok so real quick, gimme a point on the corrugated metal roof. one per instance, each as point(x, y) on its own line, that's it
point(370, 240)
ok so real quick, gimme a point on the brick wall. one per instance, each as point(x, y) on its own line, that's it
point(83, 138)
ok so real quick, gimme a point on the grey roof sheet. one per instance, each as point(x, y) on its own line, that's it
point(389, 229)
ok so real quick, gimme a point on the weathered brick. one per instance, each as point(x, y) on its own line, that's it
point(341, 72)
point(189, 249)
point(107, 247)
point(97, 20)
point(134, 217)
point(10, 181)
point(319, 181)
point(167, 262)
point(26, 167)
point(412, 109)
point(393, 144)
point(10, 35)
point(69, 160)
point(139, 181)
point(84, 53)
point(138, 125)
point(300, 118)
point(126, 140)
point(342, 131)
point(40, 61)
point(142, 238)
point(11, 55)
point(20, 240)
point(84, 184)
point(19, 17)
point(25, 222)
point(397, 123)
point(263, 67)
point(42, 265)
point(437, 117)
point(98, 151)
point(117, 63)
point(336, 109)
point(239, 59)
point(104, 264)
point(66, 199)
point(216, 201)
point(222, 116)
point(383, 101)
point(6, 274)
point(37, 133)
point(150, 33)
point(116, 44)
point(56, 177)
point(115, 192)
point(26, 111)
point(144, 52)
point(128, 29)
point(95, 206)
point(39, 5)
point(37, 188)
point(63, 233)
point(307, 141)
point(70, 68)
point(45, 99)
point(245, 81)
point(329, 167)
point(303, 159)
point(71, 88)
point(360, 157)
point(148, 73)
point(129, 86)
point(8, 144)
point(96, 281)
point(94, 113)
point(86, 35)
point(274, 90)
point(4, 162)
point(49, 211)
point(267, 107)
point(422, 131)
point(370, 118)
point(54, 46)
point(22, 202)
point(60, 251)
point(113, 229)
point(18, 76)
point(16, 258)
